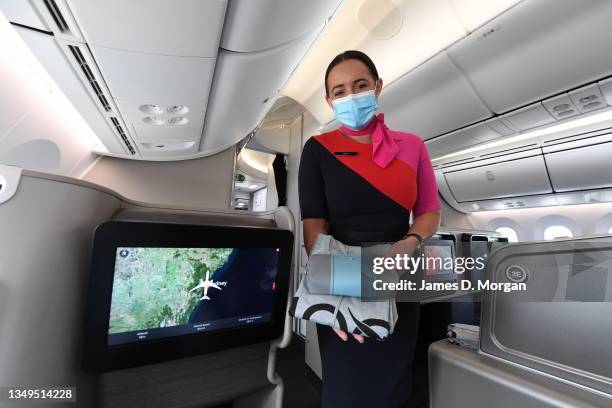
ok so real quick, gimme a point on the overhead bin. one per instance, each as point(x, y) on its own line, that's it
point(186, 28)
point(581, 168)
point(574, 171)
point(431, 100)
point(535, 50)
point(519, 177)
point(257, 25)
point(244, 88)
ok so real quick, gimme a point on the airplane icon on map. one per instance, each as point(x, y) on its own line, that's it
point(205, 285)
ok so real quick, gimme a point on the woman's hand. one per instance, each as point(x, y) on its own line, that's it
point(404, 246)
point(342, 334)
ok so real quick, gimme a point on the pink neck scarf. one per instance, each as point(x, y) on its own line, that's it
point(384, 148)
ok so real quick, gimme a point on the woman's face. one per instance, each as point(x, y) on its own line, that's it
point(350, 77)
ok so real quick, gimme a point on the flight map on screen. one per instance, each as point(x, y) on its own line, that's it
point(163, 292)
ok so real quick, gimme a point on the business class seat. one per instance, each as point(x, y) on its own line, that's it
point(546, 346)
point(45, 253)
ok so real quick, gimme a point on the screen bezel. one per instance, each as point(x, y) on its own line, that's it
point(100, 357)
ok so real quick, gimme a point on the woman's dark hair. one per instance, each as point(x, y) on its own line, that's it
point(349, 55)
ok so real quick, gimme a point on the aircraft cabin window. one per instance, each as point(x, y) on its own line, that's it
point(509, 233)
point(557, 231)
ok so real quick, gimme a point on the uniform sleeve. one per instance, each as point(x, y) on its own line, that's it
point(311, 188)
point(427, 188)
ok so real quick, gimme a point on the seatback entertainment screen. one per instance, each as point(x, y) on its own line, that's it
point(438, 257)
point(162, 292)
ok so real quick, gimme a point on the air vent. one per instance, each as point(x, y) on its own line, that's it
point(512, 150)
point(80, 58)
point(59, 19)
point(123, 135)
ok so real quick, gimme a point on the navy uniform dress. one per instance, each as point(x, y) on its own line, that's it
point(363, 202)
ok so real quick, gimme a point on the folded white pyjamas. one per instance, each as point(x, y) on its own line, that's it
point(375, 319)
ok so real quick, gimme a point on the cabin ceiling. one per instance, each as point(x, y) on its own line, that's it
point(462, 74)
point(158, 80)
point(166, 80)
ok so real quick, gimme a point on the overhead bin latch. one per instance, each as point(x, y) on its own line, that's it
point(9, 180)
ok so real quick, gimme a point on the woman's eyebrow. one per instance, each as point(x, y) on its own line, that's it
point(337, 86)
point(354, 83)
point(359, 80)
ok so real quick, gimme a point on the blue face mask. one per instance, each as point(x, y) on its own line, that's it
point(356, 110)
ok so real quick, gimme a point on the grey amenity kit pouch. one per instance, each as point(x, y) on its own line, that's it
point(334, 274)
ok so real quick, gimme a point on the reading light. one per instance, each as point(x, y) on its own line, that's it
point(562, 107)
point(152, 109)
point(180, 120)
point(178, 109)
point(154, 120)
point(568, 125)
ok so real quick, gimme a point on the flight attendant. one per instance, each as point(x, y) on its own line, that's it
point(360, 183)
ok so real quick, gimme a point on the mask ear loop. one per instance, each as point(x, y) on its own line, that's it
point(376, 87)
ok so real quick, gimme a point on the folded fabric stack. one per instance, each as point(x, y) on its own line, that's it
point(313, 302)
point(465, 335)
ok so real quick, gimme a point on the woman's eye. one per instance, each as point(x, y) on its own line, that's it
point(338, 93)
